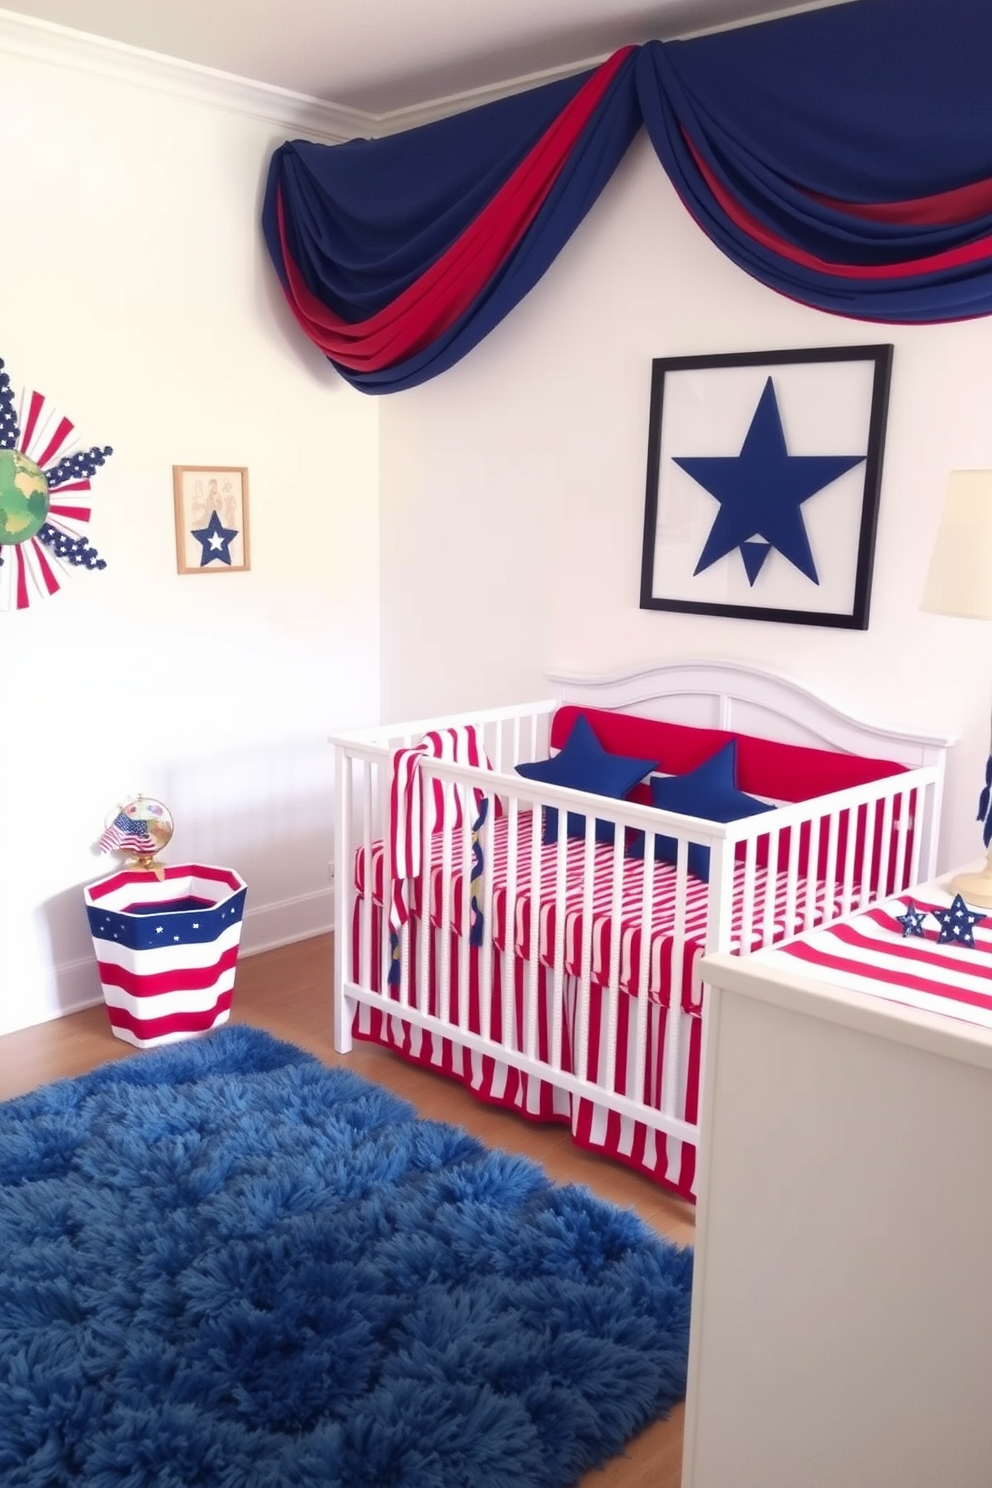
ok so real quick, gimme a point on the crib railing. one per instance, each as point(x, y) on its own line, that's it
point(567, 990)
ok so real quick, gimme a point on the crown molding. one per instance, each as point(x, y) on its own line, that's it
point(396, 120)
point(295, 113)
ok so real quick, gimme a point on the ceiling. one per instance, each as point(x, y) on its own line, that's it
point(383, 55)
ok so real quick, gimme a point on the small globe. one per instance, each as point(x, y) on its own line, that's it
point(23, 497)
point(154, 819)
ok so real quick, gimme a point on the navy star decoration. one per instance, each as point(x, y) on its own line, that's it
point(215, 541)
point(957, 924)
point(912, 921)
point(760, 493)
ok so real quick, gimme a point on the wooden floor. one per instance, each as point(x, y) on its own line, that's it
point(288, 992)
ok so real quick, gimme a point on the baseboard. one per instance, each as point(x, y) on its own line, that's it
point(271, 925)
point(75, 985)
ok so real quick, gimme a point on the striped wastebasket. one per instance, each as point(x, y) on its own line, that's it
point(167, 949)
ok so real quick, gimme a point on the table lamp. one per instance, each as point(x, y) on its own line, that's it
point(960, 583)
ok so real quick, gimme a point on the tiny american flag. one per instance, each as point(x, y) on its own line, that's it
point(127, 835)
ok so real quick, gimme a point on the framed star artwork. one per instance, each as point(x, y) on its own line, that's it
point(763, 479)
point(211, 518)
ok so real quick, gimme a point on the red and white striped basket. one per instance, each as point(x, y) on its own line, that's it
point(167, 949)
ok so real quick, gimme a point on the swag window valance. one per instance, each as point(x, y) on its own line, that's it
point(843, 157)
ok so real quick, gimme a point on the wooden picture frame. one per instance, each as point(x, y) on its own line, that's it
point(211, 504)
point(763, 479)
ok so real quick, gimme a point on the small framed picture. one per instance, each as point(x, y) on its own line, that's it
point(763, 481)
point(211, 518)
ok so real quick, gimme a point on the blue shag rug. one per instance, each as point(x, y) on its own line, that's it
point(223, 1265)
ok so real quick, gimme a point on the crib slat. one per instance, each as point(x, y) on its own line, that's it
point(917, 812)
point(644, 967)
point(344, 786)
point(494, 744)
point(488, 880)
point(445, 917)
point(368, 899)
point(902, 806)
point(747, 896)
point(559, 984)
point(387, 879)
point(425, 936)
point(671, 1093)
point(534, 945)
point(830, 875)
point(465, 918)
point(508, 1008)
point(811, 875)
point(792, 882)
point(847, 891)
point(886, 848)
point(867, 856)
point(611, 995)
point(585, 961)
point(772, 872)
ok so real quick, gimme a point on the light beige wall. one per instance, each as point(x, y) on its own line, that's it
point(135, 292)
point(513, 491)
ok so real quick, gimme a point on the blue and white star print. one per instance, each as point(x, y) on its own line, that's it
point(912, 920)
point(957, 924)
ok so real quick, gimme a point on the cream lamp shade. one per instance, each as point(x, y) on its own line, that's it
point(960, 577)
point(960, 583)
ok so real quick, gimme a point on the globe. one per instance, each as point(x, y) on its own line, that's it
point(23, 497)
point(152, 820)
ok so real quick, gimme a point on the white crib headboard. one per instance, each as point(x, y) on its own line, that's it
point(751, 700)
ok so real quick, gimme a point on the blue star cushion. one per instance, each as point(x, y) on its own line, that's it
point(710, 792)
point(583, 764)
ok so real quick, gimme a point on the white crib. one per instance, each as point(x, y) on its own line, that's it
point(562, 979)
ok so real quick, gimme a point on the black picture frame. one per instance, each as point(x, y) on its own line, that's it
point(711, 413)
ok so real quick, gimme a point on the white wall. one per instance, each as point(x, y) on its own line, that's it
point(135, 293)
point(512, 492)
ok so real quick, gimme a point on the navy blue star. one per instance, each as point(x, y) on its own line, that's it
point(912, 920)
point(957, 923)
point(760, 492)
point(215, 541)
point(9, 430)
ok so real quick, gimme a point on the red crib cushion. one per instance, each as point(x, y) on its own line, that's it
point(765, 767)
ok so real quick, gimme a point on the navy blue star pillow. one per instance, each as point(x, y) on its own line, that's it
point(710, 792)
point(583, 764)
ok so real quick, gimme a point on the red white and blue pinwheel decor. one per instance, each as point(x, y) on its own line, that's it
point(44, 497)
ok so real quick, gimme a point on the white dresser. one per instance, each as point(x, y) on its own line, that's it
point(842, 1307)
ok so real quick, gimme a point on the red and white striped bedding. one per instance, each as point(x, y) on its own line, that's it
point(869, 954)
point(662, 920)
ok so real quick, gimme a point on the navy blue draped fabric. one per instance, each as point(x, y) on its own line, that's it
point(843, 157)
point(398, 260)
